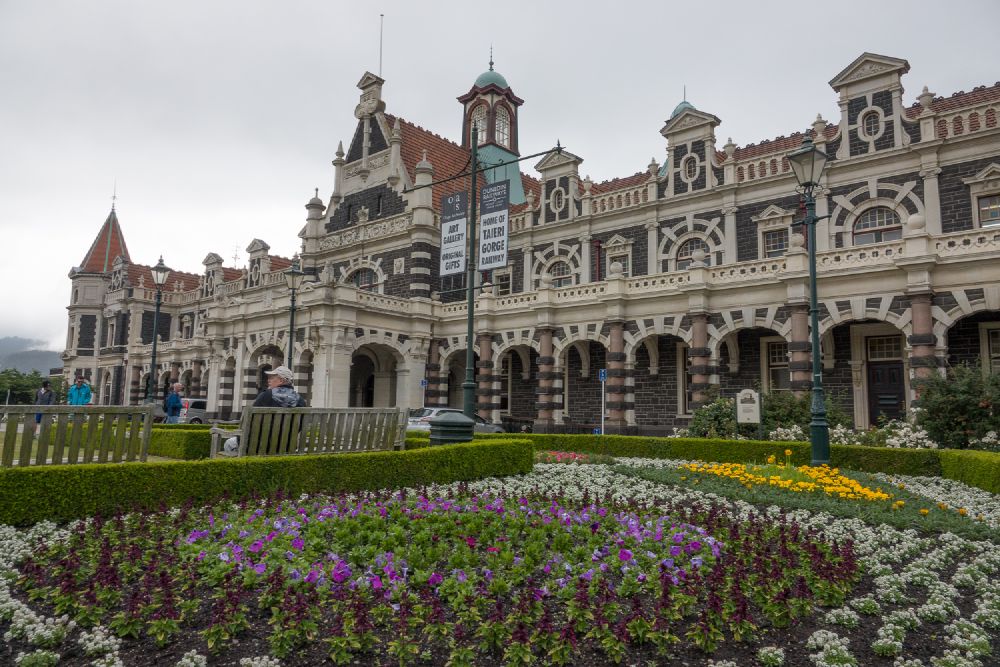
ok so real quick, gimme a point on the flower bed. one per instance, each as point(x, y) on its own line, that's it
point(570, 564)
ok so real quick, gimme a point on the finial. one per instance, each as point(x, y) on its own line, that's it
point(685, 90)
point(114, 194)
point(491, 57)
point(317, 193)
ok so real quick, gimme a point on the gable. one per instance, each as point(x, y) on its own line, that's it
point(867, 66)
point(687, 119)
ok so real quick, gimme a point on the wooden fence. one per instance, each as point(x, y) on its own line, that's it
point(74, 434)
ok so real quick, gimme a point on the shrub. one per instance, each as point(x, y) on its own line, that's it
point(979, 469)
point(66, 492)
point(959, 407)
point(779, 409)
point(187, 444)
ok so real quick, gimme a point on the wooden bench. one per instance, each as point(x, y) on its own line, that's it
point(286, 431)
point(75, 434)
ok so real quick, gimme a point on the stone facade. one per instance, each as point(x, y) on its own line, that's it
point(659, 278)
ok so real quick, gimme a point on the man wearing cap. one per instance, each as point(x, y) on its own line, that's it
point(279, 392)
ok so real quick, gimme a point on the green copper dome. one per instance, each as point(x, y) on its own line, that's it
point(491, 76)
point(680, 108)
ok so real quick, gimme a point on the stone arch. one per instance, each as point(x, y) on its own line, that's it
point(880, 308)
point(848, 207)
point(962, 303)
point(373, 376)
point(732, 321)
point(264, 357)
point(513, 381)
point(659, 326)
point(357, 264)
point(656, 377)
point(672, 238)
point(559, 251)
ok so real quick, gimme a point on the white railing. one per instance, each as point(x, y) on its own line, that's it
point(517, 300)
point(618, 199)
point(657, 281)
point(768, 268)
point(985, 239)
point(983, 117)
point(868, 255)
point(764, 166)
point(383, 301)
point(583, 292)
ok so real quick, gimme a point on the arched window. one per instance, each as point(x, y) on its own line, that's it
point(562, 275)
point(365, 279)
point(691, 167)
point(478, 121)
point(503, 126)
point(872, 123)
point(686, 251)
point(877, 225)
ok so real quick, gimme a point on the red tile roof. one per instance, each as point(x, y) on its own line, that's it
point(229, 275)
point(447, 157)
point(619, 183)
point(959, 100)
point(279, 263)
point(109, 244)
point(189, 281)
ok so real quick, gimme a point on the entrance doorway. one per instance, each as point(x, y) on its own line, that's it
point(886, 396)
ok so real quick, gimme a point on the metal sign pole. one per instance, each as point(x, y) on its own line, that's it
point(602, 375)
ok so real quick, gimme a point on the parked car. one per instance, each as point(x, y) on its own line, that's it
point(193, 410)
point(420, 420)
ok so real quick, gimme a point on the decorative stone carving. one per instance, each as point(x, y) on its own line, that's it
point(374, 162)
point(374, 230)
point(868, 69)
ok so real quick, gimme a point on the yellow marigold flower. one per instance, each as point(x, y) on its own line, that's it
point(788, 452)
point(962, 511)
point(925, 511)
point(771, 459)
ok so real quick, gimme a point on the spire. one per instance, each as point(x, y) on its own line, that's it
point(491, 57)
point(108, 244)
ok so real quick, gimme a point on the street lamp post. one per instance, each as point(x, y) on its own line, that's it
point(469, 386)
point(160, 274)
point(293, 278)
point(807, 164)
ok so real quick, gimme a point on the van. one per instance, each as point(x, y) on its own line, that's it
point(193, 411)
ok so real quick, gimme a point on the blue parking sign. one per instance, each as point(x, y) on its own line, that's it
point(423, 382)
point(602, 375)
point(597, 430)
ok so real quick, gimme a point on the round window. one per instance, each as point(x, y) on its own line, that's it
point(558, 200)
point(691, 168)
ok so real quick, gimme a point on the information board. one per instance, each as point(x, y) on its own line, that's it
point(494, 203)
point(454, 223)
point(748, 407)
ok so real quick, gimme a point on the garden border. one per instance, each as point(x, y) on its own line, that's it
point(66, 492)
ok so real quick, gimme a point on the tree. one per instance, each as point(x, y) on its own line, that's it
point(22, 386)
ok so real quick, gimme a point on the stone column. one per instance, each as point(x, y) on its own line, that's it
point(340, 376)
point(432, 394)
point(586, 273)
point(922, 341)
point(383, 395)
point(932, 200)
point(630, 392)
point(700, 357)
point(135, 386)
point(484, 376)
point(615, 385)
point(800, 358)
point(652, 248)
point(195, 390)
point(546, 362)
point(302, 373)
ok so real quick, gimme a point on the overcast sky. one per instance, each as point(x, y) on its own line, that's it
point(217, 119)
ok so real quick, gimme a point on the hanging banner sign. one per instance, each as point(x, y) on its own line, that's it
point(454, 223)
point(494, 202)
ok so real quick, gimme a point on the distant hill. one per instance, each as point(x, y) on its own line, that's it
point(23, 354)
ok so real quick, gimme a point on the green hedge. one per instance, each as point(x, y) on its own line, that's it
point(183, 427)
point(979, 469)
point(187, 444)
point(66, 492)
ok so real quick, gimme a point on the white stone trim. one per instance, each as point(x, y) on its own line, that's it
point(983, 184)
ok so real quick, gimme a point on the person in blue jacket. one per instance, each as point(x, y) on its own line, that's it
point(79, 393)
point(173, 405)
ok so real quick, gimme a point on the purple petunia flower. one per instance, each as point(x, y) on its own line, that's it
point(696, 561)
point(256, 547)
point(298, 544)
point(259, 568)
point(588, 575)
point(376, 582)
point(675, 551)
point(693, 547)
point(435, 579)
point(624, 555)
point(460, 576)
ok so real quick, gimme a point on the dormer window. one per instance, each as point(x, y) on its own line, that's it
point(562, 275)
point(503, 127)
point(989, 210)
point(691, 168)
point(478, 121)
point(872, 123)
point(365, 279)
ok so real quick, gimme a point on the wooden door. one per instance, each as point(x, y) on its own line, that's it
point(886, 391)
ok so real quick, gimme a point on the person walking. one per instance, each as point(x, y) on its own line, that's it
point(79, 393)
point(173, 405)
point(43, 396)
